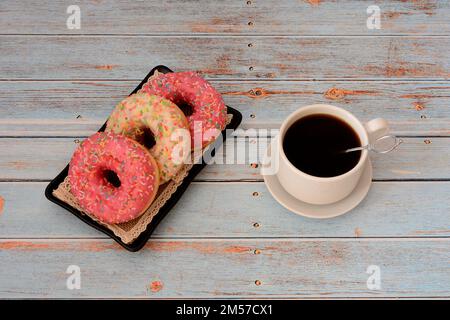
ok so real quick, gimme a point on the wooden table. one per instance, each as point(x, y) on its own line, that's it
point(227, 237)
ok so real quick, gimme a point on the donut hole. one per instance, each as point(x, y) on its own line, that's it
point(146, 137)
point(112, 178)
point(186, 108)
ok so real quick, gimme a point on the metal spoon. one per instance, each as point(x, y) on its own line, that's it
point(377, 146)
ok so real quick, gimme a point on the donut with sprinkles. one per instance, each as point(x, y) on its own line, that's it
point(202, 104)
point(159, 125)
point(113, 177)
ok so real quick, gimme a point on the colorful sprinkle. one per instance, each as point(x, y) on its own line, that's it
point(188, 88)
point(141, 114)
point(131, 191)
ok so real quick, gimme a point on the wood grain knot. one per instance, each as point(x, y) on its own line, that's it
point(258, 92)
point(256, 225)
point(314, 2)
point(106, 67)
point(334, 94)
point(338, 94)
point(419, 107)
point(2, 204)
point(255, 194)
point(427, 141)
point(156, 286)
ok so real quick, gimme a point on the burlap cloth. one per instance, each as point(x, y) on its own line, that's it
point(129, 231)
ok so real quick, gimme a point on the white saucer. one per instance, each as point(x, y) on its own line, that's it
point(319, 211)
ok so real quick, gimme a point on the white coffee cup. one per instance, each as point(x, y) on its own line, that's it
point(318, 190)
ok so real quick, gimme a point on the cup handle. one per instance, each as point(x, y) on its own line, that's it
point(376, 128)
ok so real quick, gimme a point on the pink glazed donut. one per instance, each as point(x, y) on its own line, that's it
point(113, 177)
point(206, 112)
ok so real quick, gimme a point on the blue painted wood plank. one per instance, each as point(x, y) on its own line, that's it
point(44, 158)
point(226, 268)
point(316, 17)
point(391, 209)
point(281, 57)
point(71, 108)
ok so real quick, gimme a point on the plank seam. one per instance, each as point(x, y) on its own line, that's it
point(223, 181)
point(252, 297)
point(258, 80)
point(245, 239)
point(268, 137)
point(224, 35)
point(238, 297)
point(412, 80)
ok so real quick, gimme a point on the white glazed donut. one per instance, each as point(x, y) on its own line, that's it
point(153, 121)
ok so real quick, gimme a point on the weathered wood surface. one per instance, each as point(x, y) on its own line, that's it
point(391, 209)
point(195, 268)
point(44, 158)
point(57, 85)
point(305, 17)
point(79, 108)
point(285, 57)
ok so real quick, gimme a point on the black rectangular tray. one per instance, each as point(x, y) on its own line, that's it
point(140, 241)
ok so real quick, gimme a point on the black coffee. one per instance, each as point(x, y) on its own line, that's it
point(314, 145)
